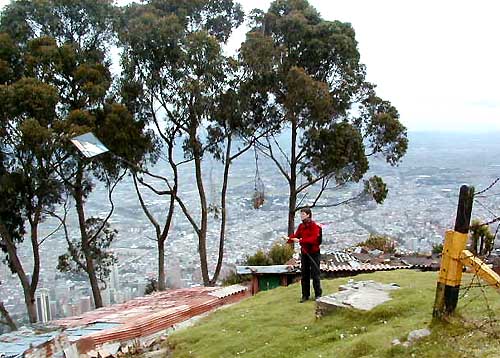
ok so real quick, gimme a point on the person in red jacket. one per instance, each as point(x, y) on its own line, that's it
point(307, 235)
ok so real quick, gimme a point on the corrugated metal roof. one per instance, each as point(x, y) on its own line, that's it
point(74, 334)
point(339, 256)
point(271, 269)
point(228, 291)
point(14, 344)
point(361, 267)
point(138, 318)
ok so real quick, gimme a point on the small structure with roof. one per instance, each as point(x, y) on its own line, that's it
point(268, 277)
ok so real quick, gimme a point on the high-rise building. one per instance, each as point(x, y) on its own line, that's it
point(106, 297)
point(114, 277)
point(43, 310)
point(54, 310)
point(85, 304)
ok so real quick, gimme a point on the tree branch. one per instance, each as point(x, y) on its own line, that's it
point(49, 235)
point(339, 203)
point(324, 185)
point(250, 142)
point(281, 150)
point(157, 124)
point(110, 194)
point(188, 215)
point(310, 183)
point(72, 249)
point(301, 155)
point(145, 209)
point(271, 156)
point(153, 189)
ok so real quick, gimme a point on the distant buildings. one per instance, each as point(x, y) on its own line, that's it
point(420, 206)
point(85, 304)
point(43, 309)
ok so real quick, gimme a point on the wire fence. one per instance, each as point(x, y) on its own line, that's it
point(476, 292)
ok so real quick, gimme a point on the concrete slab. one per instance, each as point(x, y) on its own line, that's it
point(361, 295)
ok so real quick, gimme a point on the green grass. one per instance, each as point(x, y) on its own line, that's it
point(274, 324)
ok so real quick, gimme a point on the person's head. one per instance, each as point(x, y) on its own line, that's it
point(305, 214)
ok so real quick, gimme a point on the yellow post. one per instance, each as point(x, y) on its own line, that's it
point(450, 273)
point(451, 267)
point(481, 269)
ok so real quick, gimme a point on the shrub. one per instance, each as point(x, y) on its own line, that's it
point(482, 238)
point(233, 278)
point(151, 286)
point(280, 253)
point(437, 248)
point(379, 242)
point(259, 259)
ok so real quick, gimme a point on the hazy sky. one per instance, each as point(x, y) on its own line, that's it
point(436, 61)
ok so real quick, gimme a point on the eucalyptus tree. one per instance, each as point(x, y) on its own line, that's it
point(309, 70)
point(173, 58)
point(28, 186)
point(70, 40)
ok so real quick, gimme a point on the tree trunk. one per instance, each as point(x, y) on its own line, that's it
point(202, 235)
point(90, 269)
point(8, 320)
point(36, 256)
point(163, 237)
point(29, 300)
point(94, 284)
point(292, 200)
point(36, 269)
point(161, 265)
point(15, 263)
point(222, 233)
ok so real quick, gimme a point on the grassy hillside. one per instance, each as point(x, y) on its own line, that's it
point(274, 324)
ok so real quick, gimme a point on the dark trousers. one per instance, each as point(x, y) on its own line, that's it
point(309, 267)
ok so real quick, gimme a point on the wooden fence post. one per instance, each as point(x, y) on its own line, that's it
point(450, 273)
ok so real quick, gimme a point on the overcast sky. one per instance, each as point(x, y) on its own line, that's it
point(436, 61)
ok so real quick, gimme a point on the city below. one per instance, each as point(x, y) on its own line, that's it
point(421, 205)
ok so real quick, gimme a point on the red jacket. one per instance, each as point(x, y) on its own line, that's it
point(308, 234)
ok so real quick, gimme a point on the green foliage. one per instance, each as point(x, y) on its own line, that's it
point(376, 189)
point(287, 328)
point(233, 278)
point(437, 248)
point(340, 147)
point(59, 86)
point(66, 21)
point(379, 242)
point(260, 258)
point(28, 182)
point(12, 222)
point(151, 286)
point(10, 59)
point(304, 76)
point(100, 236)
point(482, 239)
point(280, 253)
point(173, 58)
